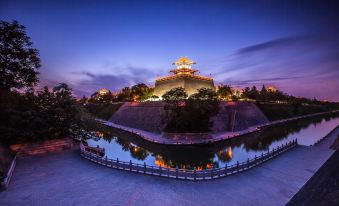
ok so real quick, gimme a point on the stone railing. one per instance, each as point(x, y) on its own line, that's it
point(6, 179)
point(324, 137)
point(184, 174)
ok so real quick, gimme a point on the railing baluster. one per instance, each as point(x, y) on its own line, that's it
point(190, 174)
point(195, 173)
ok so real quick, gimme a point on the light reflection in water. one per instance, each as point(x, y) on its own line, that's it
point(126, 147)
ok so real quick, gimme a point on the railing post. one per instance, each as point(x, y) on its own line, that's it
point(262, 157)
point(176, 172)
point(255, 159)
point(118, 163)
point(237, 166)
point(195, 172)
point(106, 161)
point(144, 167)
point(130, 165)
point(160, 171)
point(225, 170)
point(152, 170)
point(185, 174)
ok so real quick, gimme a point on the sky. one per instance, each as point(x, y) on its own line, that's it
point(292, 45)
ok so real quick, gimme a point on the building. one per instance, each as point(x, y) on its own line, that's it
point(183, 76)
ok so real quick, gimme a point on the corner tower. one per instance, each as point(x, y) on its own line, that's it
point(183, 76)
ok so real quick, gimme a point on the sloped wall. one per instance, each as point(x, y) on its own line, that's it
point(141, 115)
point(235, 116)
point(147, 116)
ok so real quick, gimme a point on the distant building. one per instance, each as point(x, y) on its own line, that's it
point(103, 91)
point(271, 89)
point(183, 76)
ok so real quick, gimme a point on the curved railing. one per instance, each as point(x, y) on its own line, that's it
point(184, 174)
point(5, 181)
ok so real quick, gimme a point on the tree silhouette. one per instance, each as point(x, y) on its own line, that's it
point(19, 61)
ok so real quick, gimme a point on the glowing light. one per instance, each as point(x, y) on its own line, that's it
point(230, 153)
point(103, 91)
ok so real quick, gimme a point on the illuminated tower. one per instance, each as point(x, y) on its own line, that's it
point(183, 76)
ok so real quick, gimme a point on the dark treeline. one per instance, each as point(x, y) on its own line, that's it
point(26, 114)
point(190, 114)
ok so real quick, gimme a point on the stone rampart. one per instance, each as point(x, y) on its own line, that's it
point(147, 116)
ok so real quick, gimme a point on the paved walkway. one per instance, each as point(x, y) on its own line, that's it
point(67, 179)
point(200, 138)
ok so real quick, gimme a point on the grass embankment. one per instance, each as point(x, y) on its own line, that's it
point(283, 111)
point(103, 111)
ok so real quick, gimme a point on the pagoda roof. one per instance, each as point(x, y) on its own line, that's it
point(185, 75)
point(183, 70)
point(184, 60)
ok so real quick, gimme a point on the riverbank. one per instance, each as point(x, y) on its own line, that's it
point(200, 138)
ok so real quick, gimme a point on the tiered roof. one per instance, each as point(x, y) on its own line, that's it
point(184, 70)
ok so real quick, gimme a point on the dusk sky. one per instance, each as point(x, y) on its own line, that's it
point(293, 45)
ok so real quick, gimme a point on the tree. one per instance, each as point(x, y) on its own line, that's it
point(204, 94)
point(192, 114)
point(175, 95)
point(253, 93)
point(102, 98)
point(246, 92)
point(19, 61)
point(140, 92)
point(125, 94)
point(224, 92)
point(264, 96)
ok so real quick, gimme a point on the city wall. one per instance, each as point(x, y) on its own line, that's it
point(147, 116)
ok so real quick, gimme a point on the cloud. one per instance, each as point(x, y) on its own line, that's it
point(125, 76)
point(273, 44)
point(305, 65)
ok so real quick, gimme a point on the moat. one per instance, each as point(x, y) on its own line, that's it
point(127, 147)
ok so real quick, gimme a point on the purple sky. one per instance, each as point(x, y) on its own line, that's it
point(293, 45)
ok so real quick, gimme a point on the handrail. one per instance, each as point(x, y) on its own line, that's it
point(324, 137)
point(5, 181)
point(187, 174)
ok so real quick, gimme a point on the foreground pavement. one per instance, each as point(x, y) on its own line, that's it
point(67, 179)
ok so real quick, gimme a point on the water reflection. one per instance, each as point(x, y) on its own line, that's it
point(125, 146)
point(225, 155)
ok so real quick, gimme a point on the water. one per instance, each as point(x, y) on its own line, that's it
point(130, 147)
